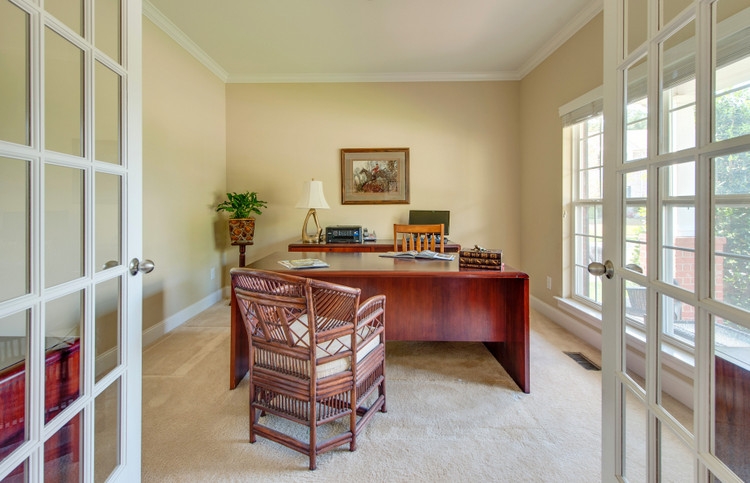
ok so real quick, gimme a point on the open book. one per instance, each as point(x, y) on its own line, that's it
point(304, 263)
point(424, 254)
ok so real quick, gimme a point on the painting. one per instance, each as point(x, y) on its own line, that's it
point(374, 176)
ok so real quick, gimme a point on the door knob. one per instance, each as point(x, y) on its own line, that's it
point(146, 266)
point(598, 269)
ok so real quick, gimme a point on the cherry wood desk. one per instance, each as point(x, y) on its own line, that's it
point(426, 300)
point(374, 246)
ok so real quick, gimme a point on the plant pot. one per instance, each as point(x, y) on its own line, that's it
point(241, 231)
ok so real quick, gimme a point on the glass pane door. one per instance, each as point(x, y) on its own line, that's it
point(70, 323)
point(676, 342)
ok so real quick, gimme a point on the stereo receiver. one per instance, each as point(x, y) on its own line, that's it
point(343, 234)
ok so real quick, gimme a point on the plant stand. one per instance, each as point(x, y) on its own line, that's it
point(242, 252)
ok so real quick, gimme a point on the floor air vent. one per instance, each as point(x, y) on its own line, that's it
point(583, 361)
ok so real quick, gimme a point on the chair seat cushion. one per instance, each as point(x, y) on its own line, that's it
point(300, 330)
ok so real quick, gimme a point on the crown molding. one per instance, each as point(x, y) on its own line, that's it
point(160, 20)
point(583, 17)
point(380, 77)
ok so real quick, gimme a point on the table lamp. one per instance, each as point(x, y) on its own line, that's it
point(312, 198)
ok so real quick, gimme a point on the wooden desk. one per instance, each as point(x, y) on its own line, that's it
point(376, 246)
point(426, 300)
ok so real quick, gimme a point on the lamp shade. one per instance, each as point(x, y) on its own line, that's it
point(312, 196)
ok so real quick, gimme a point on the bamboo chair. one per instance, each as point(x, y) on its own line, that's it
point(418, 237)
point(316, 356)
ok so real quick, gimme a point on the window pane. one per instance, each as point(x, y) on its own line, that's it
point(731, 276)
point(15, 220)
point(108, 319)
point(732, 383)
point(108, 221)
point(69, 12)
point(635, 220)
point(635, 302)
point(635, 427)
point(63, 95)
point(678, 91)
point(107, 27)
point(63, 321)
point(14, 345)
point(636, 127)
point(677, 462)
point(64, 229)
point(636, 14)
point(14, 74)
point(588, 248)
point(677, 198)
point(672, 8)
point(732, 77)
point(107, 115)
point(62, 453)
point(107, 427)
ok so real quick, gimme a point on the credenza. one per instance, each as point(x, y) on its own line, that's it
point(378, 246)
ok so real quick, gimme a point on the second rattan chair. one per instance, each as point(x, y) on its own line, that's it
point(317, 358)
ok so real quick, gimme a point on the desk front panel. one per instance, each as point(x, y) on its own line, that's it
point(426, 300)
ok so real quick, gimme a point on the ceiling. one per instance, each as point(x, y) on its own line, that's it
point(370, 40)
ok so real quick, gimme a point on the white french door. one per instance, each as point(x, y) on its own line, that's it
point(676, 328)
point(70, 222)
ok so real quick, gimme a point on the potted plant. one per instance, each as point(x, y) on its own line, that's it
point(241, 207)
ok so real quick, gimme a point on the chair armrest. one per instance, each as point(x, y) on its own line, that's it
point(372, 312)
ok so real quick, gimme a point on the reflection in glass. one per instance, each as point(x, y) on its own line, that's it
point(635, 219)
point(635, 428)
point(15, 220)
point(63, 323)
point(731, 283)
point(64, 227)
point(14, 346)
point(636, 111)
point(678, 326)
point(107, 116)
point(731, 346)
point(14, 74)
point(107, 327)
point(677, 130)
point(63, 96)
point(62, 453)
point(107, 432)
point(677, 198)
point(636, 15)
point(732, 75)
point(69, 12)
point(108, 224)
point(107, 27)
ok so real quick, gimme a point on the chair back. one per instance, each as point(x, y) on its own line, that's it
point(418, 237)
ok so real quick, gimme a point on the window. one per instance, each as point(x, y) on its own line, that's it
point(583, 135)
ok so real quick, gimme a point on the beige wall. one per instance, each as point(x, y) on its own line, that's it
point(184, 171)
point(464, 154)
point(571, 71)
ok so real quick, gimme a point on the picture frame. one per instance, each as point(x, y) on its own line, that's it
point(371, 176)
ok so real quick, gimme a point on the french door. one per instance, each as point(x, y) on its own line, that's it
point(677, 215)
point(70, 177)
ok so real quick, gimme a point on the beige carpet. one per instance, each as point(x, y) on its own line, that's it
point(453, 415)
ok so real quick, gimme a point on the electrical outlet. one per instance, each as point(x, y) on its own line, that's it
point(549, 283)
point(213, 273)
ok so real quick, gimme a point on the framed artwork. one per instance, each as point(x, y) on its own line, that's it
point(371, 176)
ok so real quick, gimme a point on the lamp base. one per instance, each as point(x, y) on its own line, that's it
point(315, 237)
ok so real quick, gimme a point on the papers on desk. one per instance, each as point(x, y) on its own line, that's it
point(300, 263)
point(424, 254)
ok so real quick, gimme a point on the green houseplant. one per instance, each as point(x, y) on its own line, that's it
point(241, 207)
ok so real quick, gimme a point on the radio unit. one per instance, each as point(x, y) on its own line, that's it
point(343, 234)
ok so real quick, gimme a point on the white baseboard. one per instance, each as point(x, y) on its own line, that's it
point(151, 334)
point(590, 332)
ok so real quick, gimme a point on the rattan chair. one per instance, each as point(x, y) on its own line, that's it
point(303, 336)
point(418, 237)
